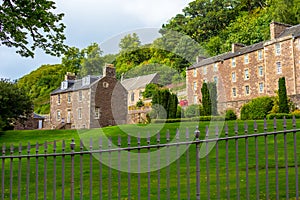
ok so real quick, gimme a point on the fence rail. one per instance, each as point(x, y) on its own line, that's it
point(197, 165)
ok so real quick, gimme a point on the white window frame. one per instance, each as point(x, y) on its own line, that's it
point(195, 85)
point(260, 54)
point(69, 97)
point(58, 99)
point(278, 67)
point(277, 49)
point(204, 70)
point(261, 87)
point(58, 115)
point(195, 99)
point(195, 72)
point(233, 90)
point(246, 58)
point(80, 95)
point(215, 67)
point(79, 113)
point(247, 92)
point(260, 71)
point(233, 64)
point(246, 74)
point(233, 77)
point(132, 96)
point(97, 113)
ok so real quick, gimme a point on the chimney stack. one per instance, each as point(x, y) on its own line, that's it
point(235, 47)
point(277, 28)
point(70, 76)
point(109, 71)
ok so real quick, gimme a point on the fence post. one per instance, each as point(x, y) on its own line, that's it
point(197, 134)
point(72, 145)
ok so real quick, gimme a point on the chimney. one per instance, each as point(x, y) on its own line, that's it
point(235, 47)
point(200, 58)
point(277, 28)
point(109, 71)
point(70, 76)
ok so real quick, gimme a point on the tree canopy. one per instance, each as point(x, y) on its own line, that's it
point(15, 104)
point(27, 25)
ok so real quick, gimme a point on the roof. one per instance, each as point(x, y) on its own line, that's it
point(139, 82)
point(291, 31)
point(36, 116)
point(75, 85)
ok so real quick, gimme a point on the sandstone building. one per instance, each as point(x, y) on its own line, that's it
point(90, 102)
point(250, 71)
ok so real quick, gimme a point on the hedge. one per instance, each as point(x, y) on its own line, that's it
point(282, 115)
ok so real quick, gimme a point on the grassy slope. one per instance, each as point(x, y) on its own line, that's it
point(15, 137)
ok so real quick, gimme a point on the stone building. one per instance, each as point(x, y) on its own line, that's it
point(90, 102)
point(250, 71)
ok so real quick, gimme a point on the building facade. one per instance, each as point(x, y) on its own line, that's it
point(90, 102)
point(250, 71)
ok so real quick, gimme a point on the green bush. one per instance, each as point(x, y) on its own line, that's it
point(257, 108)
point(192, 111)
point(230, 115)
point(282, 115)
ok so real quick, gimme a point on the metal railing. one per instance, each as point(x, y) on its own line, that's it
point(249, 166)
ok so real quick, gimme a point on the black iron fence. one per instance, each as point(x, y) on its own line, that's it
point(256, 165)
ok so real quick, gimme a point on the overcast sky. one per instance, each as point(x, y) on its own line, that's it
point(101, 21)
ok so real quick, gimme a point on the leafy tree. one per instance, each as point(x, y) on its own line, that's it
point(130, 42)
point(72, 59)
point(283, 99)
point(15, 104)
point(206, 100)
point(150, 89)
point(27, 25)
point(92, 63)
point(163, 99)
point(212, 87)
point(257, 108)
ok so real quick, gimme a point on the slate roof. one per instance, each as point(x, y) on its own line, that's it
point(294, 30)
point(36, 116)
point(75, 85)
point(138, 82)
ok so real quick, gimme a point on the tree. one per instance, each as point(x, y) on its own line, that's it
point(130, 42)
point(14, 103)
point(212, 87)
point(206, 101)
point(27, 25)
point(92, 63)
point(283, 100)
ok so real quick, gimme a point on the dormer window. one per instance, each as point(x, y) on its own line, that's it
point(86, 80)
point(64, 85)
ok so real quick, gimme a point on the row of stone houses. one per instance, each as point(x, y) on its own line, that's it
point(250, 71)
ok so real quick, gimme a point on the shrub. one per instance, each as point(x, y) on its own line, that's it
point(230, 115)
point(282, 115)
point(192, 111)
point(257, 108)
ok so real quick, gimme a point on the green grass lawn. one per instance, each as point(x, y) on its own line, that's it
point(167, 173)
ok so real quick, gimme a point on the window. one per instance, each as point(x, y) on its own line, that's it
point(246, 74)
point(260, 71)
point(261, 87)
point(80, 96)
point(215, 67)
point(216, 80)
point(195, 72)
point(69, 97)
point(195, 99)
point(233, 62)
point(58, 99)
point(58, 116)
point(246, 59)
point(105, 84)
point(204, 81)
point(233, 77)
point(277, 49)
point(260, 56)
point(279, 68)
point(79, 113)
point(247, 90)
point(97, 113)
point(140, 94)
point(234, 92)
point(205, 70)
point(132, 96)
point(195, 86)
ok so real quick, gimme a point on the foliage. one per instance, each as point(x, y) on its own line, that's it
point(14, 103)
point(282, 115)
point(164, 104)
point(130, 42)
point(282, 96)
point(139, 103)
point(257, 108)
point(192, 111)
point(27, 25)
point(150, 89)
point(230, 115)
point(212, 87)
point(206, 100)
point(180, 112)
